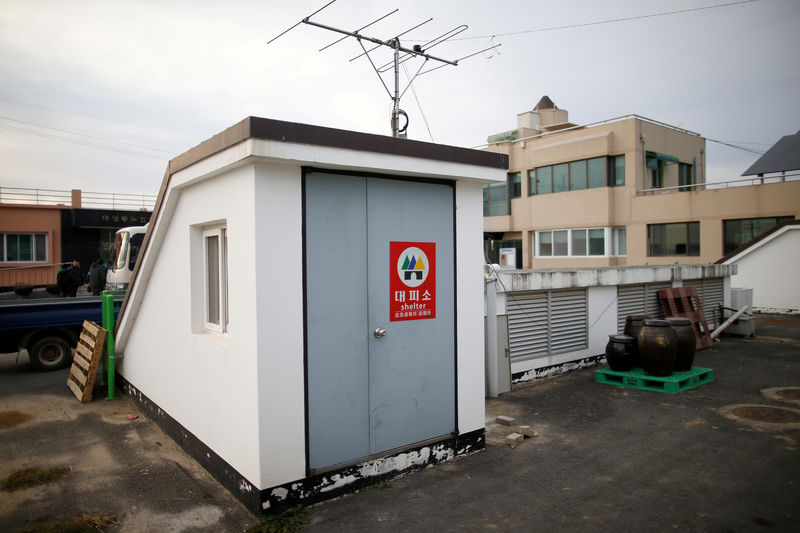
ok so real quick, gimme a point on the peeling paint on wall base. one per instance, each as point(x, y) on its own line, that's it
point(556, 370)
point(320, 487)
point(315, 488)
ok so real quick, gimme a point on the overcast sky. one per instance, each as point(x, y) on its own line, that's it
point(99, 95)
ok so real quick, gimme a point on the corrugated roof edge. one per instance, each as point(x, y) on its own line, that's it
point(278, 130)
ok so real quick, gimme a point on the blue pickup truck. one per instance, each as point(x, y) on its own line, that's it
point(47, 327)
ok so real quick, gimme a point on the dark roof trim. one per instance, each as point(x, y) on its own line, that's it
point(783, 156)
point(292, 132)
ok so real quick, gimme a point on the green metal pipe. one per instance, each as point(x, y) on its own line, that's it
point(108, 325)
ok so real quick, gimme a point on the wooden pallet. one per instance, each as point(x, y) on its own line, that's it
point(636, 378)
point(87, 357)
point(684, 302)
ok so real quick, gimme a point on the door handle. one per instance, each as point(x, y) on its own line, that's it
point(379, 332)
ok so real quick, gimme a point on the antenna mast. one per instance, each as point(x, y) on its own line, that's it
point(401, 54)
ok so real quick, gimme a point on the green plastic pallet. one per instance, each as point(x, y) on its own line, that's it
point(635, 378)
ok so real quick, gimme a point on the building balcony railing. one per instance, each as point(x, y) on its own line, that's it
point(96, 200)
point(741, 182)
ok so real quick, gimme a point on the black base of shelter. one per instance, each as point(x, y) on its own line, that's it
point(317, 487)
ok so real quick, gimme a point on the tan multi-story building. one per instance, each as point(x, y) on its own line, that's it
point(626, 191)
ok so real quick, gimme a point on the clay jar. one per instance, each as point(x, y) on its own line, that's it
point(687, 342)
point(633, 325)
point(658, 347)
point(618, 352)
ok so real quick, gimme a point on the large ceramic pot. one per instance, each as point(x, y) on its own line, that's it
point(618, 352)
point(658, 347)
point(687, 342)
point(633, 325)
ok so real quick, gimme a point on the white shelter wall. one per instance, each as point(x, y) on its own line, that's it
point(278, 287)
point(469, 286)
point(771, 271)
point(207, 382)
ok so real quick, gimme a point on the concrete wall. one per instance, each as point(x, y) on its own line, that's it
point(770, 269)
point(601, 286)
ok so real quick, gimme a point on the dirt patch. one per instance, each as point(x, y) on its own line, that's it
point(783, 394)
point(32, 477)
point(12, 419)
point(79, 524)
point(762, 416)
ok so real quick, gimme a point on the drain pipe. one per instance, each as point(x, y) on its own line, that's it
point(731, 320)
point(108, 325)
point(490, 276)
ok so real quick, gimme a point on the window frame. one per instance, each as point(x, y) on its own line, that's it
point(514, 185)
point(221, 305)
point(33, 237)
point(691, 229)
point(487, 199)
point(545, 174)
point(547, 238)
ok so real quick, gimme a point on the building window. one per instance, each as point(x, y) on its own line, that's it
point(685, 175)
point(596, 169)
point(576, 175)
point(560, 177)
point(579, 242)
point(515, 184)
point(495, 199)
point(618, 241)
point(656, 167)
point(545, 239)
point(544, 180)
point(681, 238)
point(597, 241)
point(215, 265)
point(736, 233)
point(23, 247)
point(616, 170)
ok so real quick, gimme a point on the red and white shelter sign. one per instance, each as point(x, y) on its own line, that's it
point(412, 280)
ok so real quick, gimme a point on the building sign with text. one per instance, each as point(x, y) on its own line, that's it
point(412, 280)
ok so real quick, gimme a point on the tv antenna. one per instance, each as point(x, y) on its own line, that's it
point(401, 55)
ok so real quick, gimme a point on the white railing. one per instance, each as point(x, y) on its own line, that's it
point(741, 182)
point(97, 200)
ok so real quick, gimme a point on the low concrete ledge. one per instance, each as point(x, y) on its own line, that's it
point(534, 280)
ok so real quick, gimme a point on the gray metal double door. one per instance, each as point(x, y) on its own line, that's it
point(368, 393)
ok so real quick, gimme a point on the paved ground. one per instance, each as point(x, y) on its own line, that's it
point(607, 458)
point(124, 468)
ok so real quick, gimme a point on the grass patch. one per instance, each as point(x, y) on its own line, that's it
point(289, 521)
point(31, 477)
point(80, 524)
point(384, 485)
point(12, 419)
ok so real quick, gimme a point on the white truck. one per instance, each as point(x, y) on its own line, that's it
point(127, 244)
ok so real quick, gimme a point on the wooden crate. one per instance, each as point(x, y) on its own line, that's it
point(684, 302)
point(87, 357)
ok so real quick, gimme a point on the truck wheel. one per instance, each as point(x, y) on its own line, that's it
point(50, 353)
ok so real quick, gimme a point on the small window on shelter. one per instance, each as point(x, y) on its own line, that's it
point(215, 270)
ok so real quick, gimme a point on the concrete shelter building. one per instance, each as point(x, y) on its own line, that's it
point(306, 314)
point(626, 191)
